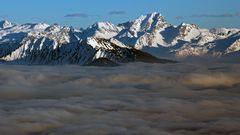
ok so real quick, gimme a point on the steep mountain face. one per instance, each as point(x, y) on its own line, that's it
point(44, 44)
point(151, 33)
point(235, 47)
point(144, 31)
point(126, 42)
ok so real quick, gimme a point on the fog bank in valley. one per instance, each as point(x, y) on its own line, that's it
point(136, 98)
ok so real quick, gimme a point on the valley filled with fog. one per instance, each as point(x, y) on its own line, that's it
point(137, 98)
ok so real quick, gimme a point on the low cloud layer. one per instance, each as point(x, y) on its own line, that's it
point(212, 80)
point(171, 99)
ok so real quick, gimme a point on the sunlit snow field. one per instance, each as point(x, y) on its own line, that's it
point(137, 98)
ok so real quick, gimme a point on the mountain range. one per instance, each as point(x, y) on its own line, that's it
point(146, 39)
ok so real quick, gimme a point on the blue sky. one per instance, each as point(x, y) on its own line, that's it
point(82, 13)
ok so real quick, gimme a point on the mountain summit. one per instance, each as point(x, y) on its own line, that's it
point(5, 24)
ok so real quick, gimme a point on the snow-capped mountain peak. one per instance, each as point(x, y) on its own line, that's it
point(188, 32)
point(147, 23)
point(149, 33)
point(5, 24)
point(104, 30)
point(54, 28)
point(103, 25)
point(40, 26)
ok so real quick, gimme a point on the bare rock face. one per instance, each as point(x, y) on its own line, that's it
point(102, 62)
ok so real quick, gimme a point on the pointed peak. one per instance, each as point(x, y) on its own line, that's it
point(4, 21)
point(54, 27)
point(102, 25)
point(187, 24)
point(183, 24)
point(5, 24)
point(154, 14)
point(148, 22)
point(151, 17)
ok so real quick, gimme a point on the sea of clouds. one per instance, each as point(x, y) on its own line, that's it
point(137, 98)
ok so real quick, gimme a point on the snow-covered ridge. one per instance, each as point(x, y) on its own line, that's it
point(149, 33)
